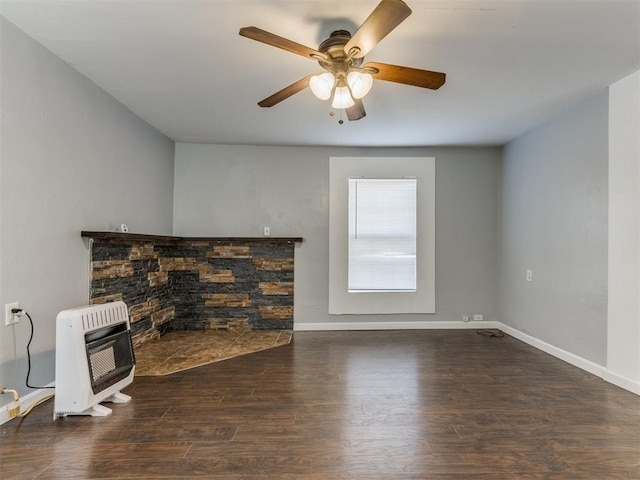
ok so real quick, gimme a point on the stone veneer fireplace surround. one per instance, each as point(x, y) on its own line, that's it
point(194, 283)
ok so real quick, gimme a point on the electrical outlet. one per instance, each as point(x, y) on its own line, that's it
point(478, 318)
point(465, 318)
point(529, 275)
point(267, 231)
point(9, 317)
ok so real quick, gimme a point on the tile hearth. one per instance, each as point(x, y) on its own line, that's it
point(181, 350)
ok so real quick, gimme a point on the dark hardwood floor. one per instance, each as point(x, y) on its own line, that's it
point(349, 406)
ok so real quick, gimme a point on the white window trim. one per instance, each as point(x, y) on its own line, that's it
point(340, 300)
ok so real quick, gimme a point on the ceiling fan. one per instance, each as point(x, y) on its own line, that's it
point(346, 79)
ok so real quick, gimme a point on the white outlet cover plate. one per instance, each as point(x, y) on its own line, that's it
point(10, 318)
point(478, 318)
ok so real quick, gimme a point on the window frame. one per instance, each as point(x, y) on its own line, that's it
point(341, 301)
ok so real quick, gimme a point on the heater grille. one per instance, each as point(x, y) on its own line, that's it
point(103, 362)
point(110, 358)
point(99, 318)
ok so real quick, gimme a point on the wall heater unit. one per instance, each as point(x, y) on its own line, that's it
point(94, 359)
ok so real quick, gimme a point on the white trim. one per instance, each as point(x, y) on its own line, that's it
point(598, 370)
point(574, 360)
point(341, 302)
point(339, 326)
point(622, 382)
point(25, 402)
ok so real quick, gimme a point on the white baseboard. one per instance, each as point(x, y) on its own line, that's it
point(574, 360)
point(598, 370)
point(340, 326)
point(25, 402)
point(622, 382)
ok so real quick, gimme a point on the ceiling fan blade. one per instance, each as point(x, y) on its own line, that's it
point(406, 75)
point(263, 36)
point(286, 92)
point(356, 112)
point(384, 18)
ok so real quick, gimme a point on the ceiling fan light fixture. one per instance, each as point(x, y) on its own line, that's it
point(359, 83)
point(322, 85)
point(345, 79)
point(342, 98)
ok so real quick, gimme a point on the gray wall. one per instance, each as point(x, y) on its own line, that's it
point(236, 190)
point(72, 159)
point(623, 321)
point(554, 222)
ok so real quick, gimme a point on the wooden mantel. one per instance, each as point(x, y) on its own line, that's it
point(143, 237)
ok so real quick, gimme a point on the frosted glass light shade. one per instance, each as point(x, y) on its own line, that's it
point(342, 98)
point(359, 83)
point(322, 85)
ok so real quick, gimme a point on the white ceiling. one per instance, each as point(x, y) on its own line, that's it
point(182, 67)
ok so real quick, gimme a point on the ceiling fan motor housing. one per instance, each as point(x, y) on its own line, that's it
point(340, 62)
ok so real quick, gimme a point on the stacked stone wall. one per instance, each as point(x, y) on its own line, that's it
point(195, 285)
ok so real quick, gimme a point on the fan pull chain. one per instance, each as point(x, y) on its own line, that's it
point(333, 114)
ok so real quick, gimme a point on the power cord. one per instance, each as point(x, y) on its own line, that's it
point(490, 333)
point(13, 409)
point(17, 311)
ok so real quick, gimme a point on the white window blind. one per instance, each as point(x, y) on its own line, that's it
point(382, 235)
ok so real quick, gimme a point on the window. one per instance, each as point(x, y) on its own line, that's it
point(381, 235)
